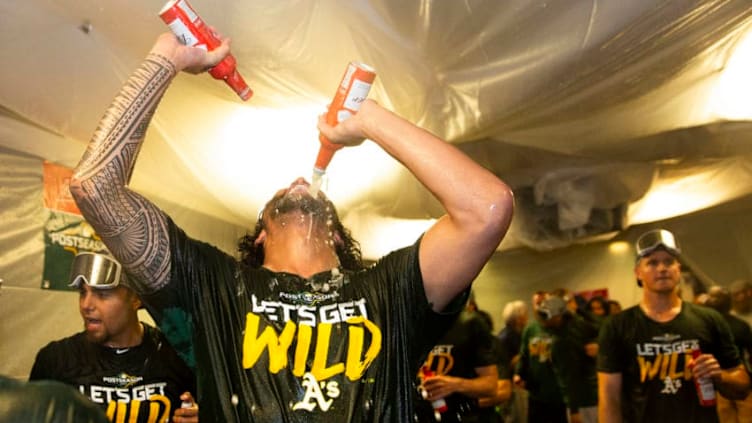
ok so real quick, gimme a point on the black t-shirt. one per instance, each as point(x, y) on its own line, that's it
point(657, 386)
point(574, 369)
point(275, 347)
point(467, 345)
point(141, 384)
point(509, 344)
point(742, 338)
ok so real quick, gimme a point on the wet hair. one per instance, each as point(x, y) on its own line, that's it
point(348, 250)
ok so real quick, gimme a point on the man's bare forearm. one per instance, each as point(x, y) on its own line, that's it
point(734, 383)
point(132, 227)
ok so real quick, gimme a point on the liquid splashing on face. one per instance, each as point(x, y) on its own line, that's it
point(310, 226)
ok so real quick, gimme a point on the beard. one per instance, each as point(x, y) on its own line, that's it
point(295, 202)
point(97, 337)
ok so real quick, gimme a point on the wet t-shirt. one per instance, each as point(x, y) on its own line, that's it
point(137, 384)
point(274, 347)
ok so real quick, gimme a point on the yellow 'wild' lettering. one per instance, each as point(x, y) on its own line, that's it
point(665, 366)
point(254, 345)
point(355, 367)
point(672, 373)
point(687, 370)
point(301, 349)
point(117, 411)
point(319, 369)
point(648, 369)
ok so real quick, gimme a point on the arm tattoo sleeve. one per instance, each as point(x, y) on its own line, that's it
point(133, 228)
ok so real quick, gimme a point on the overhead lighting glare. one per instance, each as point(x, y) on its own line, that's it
point(730, 99)
point(672, 198)
point(259, 151)
point(618, 247)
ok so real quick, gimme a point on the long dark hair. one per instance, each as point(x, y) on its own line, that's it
point(348, 250)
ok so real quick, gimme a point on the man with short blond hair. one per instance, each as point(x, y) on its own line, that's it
point(646, 372)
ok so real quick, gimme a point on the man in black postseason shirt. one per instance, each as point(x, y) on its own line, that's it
point(298, 330)
point(120, 363)
point(646, 369)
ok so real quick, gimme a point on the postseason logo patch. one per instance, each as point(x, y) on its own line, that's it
point(122, 380)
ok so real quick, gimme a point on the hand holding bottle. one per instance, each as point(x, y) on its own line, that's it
point(705, 368)
point(350, 95)
point(192, 31)
point(189, 59)
point(439, 404)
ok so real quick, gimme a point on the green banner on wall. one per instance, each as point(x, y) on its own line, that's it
point(64, 236)
point(65, 232)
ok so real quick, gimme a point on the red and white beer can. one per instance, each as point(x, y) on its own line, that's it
point(191, 30)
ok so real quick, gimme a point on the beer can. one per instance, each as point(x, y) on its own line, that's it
point(191, 31)
point(186, 24)
point(352, 91)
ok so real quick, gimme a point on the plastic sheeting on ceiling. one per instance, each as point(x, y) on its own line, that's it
point(600, 114)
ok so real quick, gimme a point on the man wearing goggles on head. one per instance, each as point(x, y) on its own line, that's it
point(652, 354)
point(120, 363)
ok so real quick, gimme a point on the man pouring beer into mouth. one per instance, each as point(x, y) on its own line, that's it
point(298, 330)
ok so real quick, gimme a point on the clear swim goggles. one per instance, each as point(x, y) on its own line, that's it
point(656, 239)
point(96, 270)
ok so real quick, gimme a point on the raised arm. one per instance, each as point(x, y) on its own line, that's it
point(132, 227)
point(478, 205)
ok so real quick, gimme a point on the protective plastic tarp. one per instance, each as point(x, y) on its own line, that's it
point(591, 104)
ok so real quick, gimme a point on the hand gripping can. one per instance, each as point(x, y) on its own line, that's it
point(439, 405)
point(191, 30)
point(351, 92)
point(704, 386)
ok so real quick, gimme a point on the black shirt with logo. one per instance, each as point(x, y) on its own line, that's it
point(340, 346)
point(138, 384)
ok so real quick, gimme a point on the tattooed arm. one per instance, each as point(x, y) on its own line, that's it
point(133, 228)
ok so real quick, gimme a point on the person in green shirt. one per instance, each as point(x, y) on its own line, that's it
point(573, 367)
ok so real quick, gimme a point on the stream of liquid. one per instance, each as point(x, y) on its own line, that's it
point(316, 181)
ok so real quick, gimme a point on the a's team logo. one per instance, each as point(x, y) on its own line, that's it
point(671, 386)
point(540, 346)
point(317, 393)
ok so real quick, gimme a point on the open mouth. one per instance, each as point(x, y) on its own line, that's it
point(91, 323)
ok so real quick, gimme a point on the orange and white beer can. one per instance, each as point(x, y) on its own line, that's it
point(352, 91)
